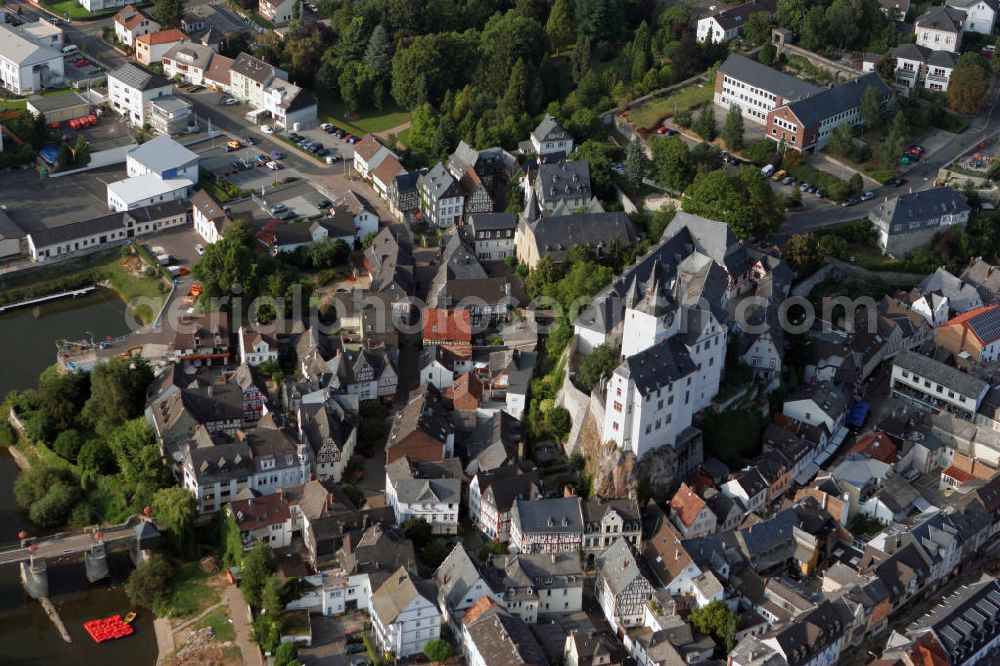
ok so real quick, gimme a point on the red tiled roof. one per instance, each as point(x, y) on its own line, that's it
point(388, 169)
point(163, 37)
point(876, 445)
point(129, 17)
point(958, 474)
point(451, 325)
point(367, 147)
point(686, 504)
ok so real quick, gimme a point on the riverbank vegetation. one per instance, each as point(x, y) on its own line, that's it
point(93, 458)
point(112, 268)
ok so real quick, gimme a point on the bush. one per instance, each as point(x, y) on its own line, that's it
point(68, 444)
point(559, 422)
point(150, 584)
point(758, 151)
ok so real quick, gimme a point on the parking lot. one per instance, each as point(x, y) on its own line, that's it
point(109, 132)
point(78, 68)
point(328, 646)
point(301, 199)
point(241, 166)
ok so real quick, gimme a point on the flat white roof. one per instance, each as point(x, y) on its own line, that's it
point(140, 188)
point(161, 154)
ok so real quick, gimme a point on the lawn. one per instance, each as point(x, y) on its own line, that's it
point(648, 114)
point(17, 104)
point(365, 122)
point(220, 623)
point(72, 9)
point(191, 592)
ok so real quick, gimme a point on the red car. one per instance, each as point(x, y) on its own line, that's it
point(83, 62)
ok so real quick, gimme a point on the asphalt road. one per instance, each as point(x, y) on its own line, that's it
point(919, 177)
point(68, 545)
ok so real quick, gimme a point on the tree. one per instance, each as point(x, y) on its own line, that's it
point(801, 251)
point(418, 531)
point(53, 508)
point(642, 52)
point(254, 574)
point(599, 363)
point(515, 100)
point(139, 461)
point(833, 246)
point(286, 654)
point(635, 162)
point(357, 82)
point(842, 141)
point(672, 163)
point(704, 124)
point(369, 238)
point(68, 444)
point(507, 38)
point(378, 53)
point(732, 131)
point(599, 155)
point(717, 621)
point(117, 393)
point(176, 510)
point(96, 458)
point(81, 151)
point(601, 20)
point(767, 54)
point(149, 584)
point(791, 14)
point(757, 29)
point(559, 422)
point(871, 106)
point(744, 201)
point(886, 67)
point(856, 183)
point(560, 27)
point(62, 395)
point(169, 13)
point(580, 59)
point(683, 118)
point(968, 88)
point(437, 650)
point(814, 29)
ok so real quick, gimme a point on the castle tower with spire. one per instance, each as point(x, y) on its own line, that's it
point(650, 313)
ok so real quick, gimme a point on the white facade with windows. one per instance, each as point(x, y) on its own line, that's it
point(25, 66)
point(980, 15)
point(403, 618)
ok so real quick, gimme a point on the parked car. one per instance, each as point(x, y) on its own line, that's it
point(293, 137)
point(915, 150)
point(249, 140)
point(266, 129)
point(325, 126)
point(275, 155)
point(787, 180)
point(804, 187)
point(779, 175)
point(820, 193)
point(322, 152)
point(354, 648)
point(339, 133)
point(277, 208)
point(896, 182)
point(353, 140)
point(274, 166)
point(325, 203)
point(868, 195)
point(234, 144)
point(82, 62)
point(287, 215)
point(260, 158)
point(230, 101)
point(850, 201)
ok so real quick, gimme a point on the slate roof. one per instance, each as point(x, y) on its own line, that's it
point(254, 69)
point(758, 75)
point(924, 366)
point(505, 640)
point(734, 17)
point(397, 593)
point(559, 515)
point(919, 208)
point(390, 263)
point(439, 183)
point(809, 635)
point(555, 235)
point(456, 576)
point(942, 18)
point(134, 77)
point(114, 221)
point(923, 54)
point(659, 365)
point(564, 180)
point(618, 566)
point(549, 127)
point(966, 621)
point(492, 221)
point(506, 484)
point(424, 412)
point(831, 101)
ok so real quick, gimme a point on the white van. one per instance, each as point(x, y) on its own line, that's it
point(767, 170)
point(70, 50)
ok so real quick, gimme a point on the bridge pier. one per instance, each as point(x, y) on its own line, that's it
point(96, 562)
point(35, 577)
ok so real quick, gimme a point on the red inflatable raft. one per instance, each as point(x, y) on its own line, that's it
point(108, 628)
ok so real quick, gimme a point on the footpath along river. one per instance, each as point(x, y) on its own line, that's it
point(27, 636)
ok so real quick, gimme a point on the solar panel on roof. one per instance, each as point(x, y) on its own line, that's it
point(986, 325)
